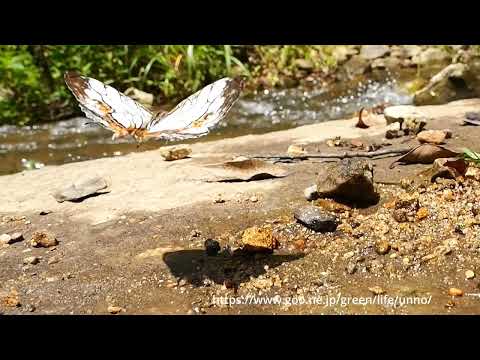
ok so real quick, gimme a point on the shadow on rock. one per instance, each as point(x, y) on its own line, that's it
point(195, 266)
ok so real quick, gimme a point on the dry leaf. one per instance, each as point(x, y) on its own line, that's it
point(245, 170)
point(360, 123)
point(472, 118)
point(424, 154)
point(369, 118)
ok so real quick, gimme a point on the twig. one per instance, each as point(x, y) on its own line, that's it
point(342, 155)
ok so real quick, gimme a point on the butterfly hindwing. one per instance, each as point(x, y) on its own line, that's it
point(197, 114)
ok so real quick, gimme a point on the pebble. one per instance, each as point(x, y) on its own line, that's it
point(382, 247)
point(351, 267)
point(469, 274)
point(5, 238)
point(253, 199)
point(115, 309)
point(316, 219)
point(311, 193)
point(455, 292)
point(259, 239)
point(171, 153)
point(31, 260)
point(422, 213)
point(212, 247)
point(10, 239)
point(377, 290)
point(43, 239)
point(30, 308)
point(45, 212)
point(432, 136)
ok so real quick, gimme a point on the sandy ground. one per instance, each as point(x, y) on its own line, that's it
point(134, 247)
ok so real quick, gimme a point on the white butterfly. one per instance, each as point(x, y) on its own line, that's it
point(193, 117)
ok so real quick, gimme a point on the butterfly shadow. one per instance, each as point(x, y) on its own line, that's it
point(195, 266)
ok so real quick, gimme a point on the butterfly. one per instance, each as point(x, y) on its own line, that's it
point(191, 118)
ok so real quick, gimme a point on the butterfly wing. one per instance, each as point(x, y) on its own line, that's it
point(106, 106)
point(197, 114)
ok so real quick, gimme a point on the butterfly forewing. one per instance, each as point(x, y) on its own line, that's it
point(197, 114)
point(105, 105)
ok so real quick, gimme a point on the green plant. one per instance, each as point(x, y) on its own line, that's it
point(472, 156)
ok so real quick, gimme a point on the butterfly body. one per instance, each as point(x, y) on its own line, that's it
point(191, 118)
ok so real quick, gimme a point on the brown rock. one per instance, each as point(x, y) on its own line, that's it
point(171, 153)
point(432, 136)
point(43, 239)
point(349, 180)
point(259, 239)
point(422, 213)
point(382, 247)
point(115, 309)
point(12, 299)
point(455, 292)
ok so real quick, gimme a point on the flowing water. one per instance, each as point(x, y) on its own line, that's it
point(27, 148)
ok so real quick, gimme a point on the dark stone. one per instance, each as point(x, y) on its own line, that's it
point(316, 219)
point(350, 180)
point(212, 247)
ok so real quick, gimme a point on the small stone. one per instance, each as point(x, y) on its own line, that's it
point(81, 189)
point(311, 193)
point(30, 308)
point(259, 239)
point(348, 255)
point(469, 274)
point(212, 247)
point(31, 260)
point(422, 213)
point(296, 150)
point(351, 267)
point(171, 153)
point(195, 233)
point(432, 136)
point(52, 279)
point(45, 212)
point(43, 239)
point(377, 290)
point(455, 292)
point(382, 247)
point(299, 244)
point(218, 199)
point(448, 195)
point(5, 239)
point(392, 134)
point(349, 180)
point(253, 199)
point(12, 299)
point(115, 309)
point(316, 219)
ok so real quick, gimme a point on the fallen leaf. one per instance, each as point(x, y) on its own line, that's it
point(472, 118)
point(424, 154)
point(369, 118)
point(360, 123)
point(244, 169)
